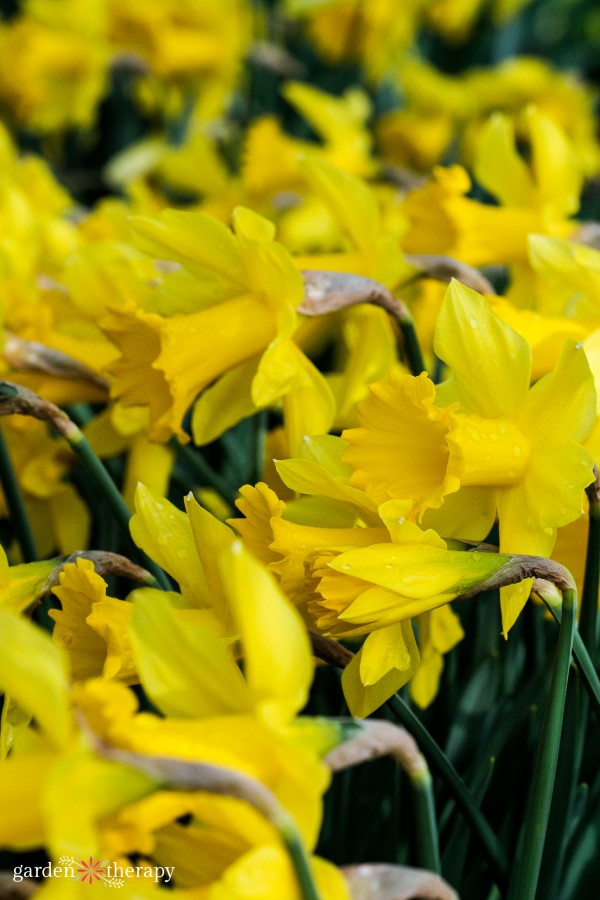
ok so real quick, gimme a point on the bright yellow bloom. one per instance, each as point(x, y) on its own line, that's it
point(441, 108)
point(369, 242)
point(51, 79)
point(340, 123)
point(20, 586)
point(76, 802)
point(311, 557)
point(369, 31)
point(568, 279)
point(537, 199)
point(410, 462)
point(199, 38)
point(247, 290)
point(504, 450)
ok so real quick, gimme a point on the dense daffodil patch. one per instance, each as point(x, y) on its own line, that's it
point(299, 436)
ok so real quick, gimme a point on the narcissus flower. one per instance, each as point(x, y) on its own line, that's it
point(51, 79)
point(310, 557)
point(537, 199)
point(215, 715)
point(483, 443)
point(247, 290)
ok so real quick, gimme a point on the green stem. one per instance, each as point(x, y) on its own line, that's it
point(589, 598)
point(298, 857)
point(567, 774)
point(525, 875)
point(15, 504)
point(109, 490)
point(587, 670)
point(428, 848)
point(412, 347)
point(440, 763)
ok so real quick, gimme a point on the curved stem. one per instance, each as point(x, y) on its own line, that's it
point(15, 504)
point(525, 876)
point(587, 670)
point(440, 763)
point(298, 857)
point(412, 347)
point(428, 848)
point(110, 492)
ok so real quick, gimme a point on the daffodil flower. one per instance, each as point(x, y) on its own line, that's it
point(483, 444)
point(539, 200)
point(82, 803)
point(352, 581)
point(240, 339)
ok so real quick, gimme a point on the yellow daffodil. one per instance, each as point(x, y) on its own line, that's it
point(50, 78)
point(370, 32)
point(369, 245)
point(241, 334)
point(539, 199)
point(340, 123)
point(81, 803)
point(441, 108)
point(499, 448)
point(311, 562)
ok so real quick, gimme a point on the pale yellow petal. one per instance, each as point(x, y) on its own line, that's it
point(225, 403)
point(386, 649)
point(277, 656)
point(211, 538)
point(187, 671)
point(490, 364)
point(164, 533)
point(33, 672)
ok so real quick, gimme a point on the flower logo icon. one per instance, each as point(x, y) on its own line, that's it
point(91, 871)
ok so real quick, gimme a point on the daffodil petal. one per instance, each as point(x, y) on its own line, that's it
point(277, 654)
point(363, 700)
point(211, 538)
point(39, 689)
point(225, 403)
point(187, 672)
point(393, 647)
point(164, 533)
point(490, 364)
